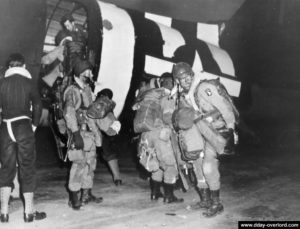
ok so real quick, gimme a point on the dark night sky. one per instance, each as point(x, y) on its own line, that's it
point(263, 39)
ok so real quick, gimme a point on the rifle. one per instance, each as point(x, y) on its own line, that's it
point(57, 142)
point(69, 144)
point(176, 152)
point(57, 115)
point(176, 149)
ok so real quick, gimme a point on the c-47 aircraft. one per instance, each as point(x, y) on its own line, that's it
point(135, 43)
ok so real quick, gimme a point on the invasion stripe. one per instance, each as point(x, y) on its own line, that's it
point(117, 54)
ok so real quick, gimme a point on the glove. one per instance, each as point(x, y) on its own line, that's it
point(78, 140)
point(33, 128)
point(116, 126)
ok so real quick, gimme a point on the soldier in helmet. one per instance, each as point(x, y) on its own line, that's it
point(108, 151)
point(84, 134)
point(169, 166)
point(206, 167)
point(184, 75)
point(156, 140)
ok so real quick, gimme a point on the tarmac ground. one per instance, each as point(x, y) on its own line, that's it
point(258, 183)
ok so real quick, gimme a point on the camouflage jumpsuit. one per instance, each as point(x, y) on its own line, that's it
point(206, 168)
point(76, 102)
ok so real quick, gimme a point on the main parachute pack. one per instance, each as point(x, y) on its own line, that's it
point(148, 111)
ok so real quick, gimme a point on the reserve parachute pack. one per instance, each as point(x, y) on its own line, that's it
point(219, 115)
point(100, 108)
point(191, 143)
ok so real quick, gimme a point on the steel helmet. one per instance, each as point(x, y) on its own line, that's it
point(81, 66)
point(105, 92)
point(180, 69)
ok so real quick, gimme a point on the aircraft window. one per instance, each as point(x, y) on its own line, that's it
point(55, 10)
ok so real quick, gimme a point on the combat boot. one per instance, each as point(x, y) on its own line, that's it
point(87, 197)
point(169, 194)
point(216, 207)
point(4, 218)
point(205, 200)
point(93, 198)
point(84, 197)
point(155, 190)
point(28, 218)
point(74, 200)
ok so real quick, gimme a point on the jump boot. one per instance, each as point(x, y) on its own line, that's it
point(205, 200)
point(155, 190)
point(87, 196)
point(74, 201)
point(216, 207)
point(4, 218)
point(169, 194)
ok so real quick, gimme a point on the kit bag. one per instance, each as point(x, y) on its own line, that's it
point(191, 143)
